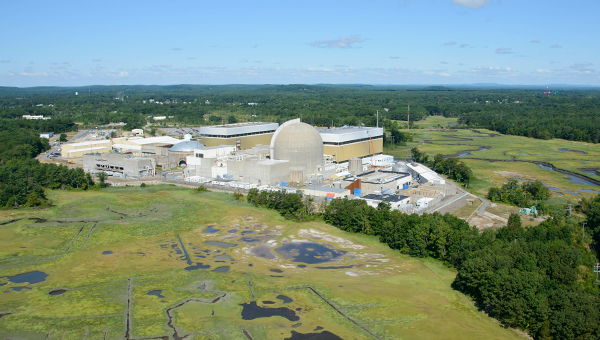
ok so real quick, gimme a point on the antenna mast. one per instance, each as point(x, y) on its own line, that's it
point(377, 118)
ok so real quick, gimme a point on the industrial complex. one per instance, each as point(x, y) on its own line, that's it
point(321, 162)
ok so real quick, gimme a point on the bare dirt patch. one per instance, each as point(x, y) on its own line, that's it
point(317, 235)
point(511, 174)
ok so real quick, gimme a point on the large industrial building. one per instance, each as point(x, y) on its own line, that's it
point(242, 135)
point(344, 143)
point(294, 153)
point(126, 166)
point(76, 150)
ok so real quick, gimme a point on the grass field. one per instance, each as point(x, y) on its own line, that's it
point(509, 155)
point(108, 249)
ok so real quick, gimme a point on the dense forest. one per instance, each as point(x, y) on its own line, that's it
point(22, 178)
point(572, 114)
point(539, 279)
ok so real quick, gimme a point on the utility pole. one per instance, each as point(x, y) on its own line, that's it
point(569, 209)
point(377, 118)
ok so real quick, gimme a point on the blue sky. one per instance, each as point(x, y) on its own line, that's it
point(71, 43)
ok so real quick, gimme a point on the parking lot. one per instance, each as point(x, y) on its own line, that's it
point(181, 131)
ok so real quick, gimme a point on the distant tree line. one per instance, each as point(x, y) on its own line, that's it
point(568, 114)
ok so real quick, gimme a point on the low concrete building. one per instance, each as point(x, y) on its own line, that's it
point(325, 191)
point(76, 150)
point(395, 201)
point(259, 171)
point(380, 182)
point(136, 144)
point(423, 174)
point(119, 165)
point(46, 135)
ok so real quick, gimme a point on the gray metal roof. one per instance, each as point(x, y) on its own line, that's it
point(186, 146)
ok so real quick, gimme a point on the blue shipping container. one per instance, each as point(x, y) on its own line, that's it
point(357, 192)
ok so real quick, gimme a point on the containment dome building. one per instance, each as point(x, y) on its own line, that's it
point(301, 145)
point(179, 152)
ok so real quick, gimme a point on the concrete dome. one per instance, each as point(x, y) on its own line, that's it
point(186, 146)
point(301, 144)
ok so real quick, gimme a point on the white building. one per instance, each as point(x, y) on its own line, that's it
point(423, 174)
point(395, 201)
point(46, 135)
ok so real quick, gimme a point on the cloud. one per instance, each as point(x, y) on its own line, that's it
point(60, 66)
point(191, 58)
point(444, 62)
point(341, 42)
point(541, 70)
point(394, 57)
point(535, 41)
point(175, 49)
point(582, 68)
point(555, 46)
point(124, 74)
point(96, 60)
point(4, 61)
point(257, 61)
point(451, 43)
point(492, 71)
point(255, 46)
point(504, 50)
point(472, 4)
point(445, 74)
point(464, 45)
point(39, 74)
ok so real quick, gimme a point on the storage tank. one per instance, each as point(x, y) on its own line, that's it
point(355, 166)
point(400, 167)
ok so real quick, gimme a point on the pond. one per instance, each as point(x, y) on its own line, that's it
point(224, 257)
point(568, 150)
point(325, 335)
point(210, 230)
point(224, 245)
point(573, 179)
point(31, 277)
point(107, 252)
point(223, 269)
point(309, 252)
point(284, 299)
point(156, 293)
point(252, 311)
point(198, 265)
point(57, 292)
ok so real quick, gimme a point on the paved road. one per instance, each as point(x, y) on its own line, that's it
point(481, 211)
